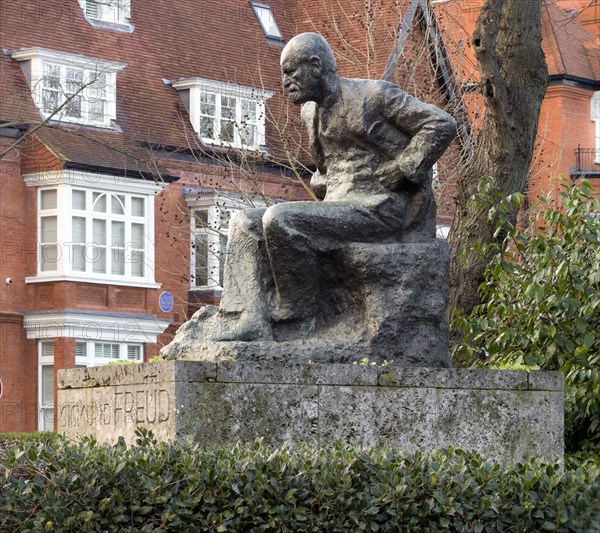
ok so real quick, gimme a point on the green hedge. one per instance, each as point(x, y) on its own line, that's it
point(57, 486)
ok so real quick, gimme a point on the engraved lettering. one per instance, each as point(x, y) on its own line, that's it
point(140, 405)
point(129, 404)
point(164, 403)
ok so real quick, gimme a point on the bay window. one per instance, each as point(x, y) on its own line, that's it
point(95, 228)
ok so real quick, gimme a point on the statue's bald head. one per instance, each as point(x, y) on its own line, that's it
point(307, 45)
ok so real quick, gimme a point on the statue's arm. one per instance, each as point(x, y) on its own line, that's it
point(318, 181)
point(429, 128)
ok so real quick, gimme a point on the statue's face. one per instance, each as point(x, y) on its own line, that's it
point(302, 79)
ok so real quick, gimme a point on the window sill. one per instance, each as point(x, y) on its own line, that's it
point(81, 279)
point(125, 27)
point(62, 121)
point(231, 146)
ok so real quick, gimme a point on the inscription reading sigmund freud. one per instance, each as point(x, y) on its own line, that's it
point(144, 406)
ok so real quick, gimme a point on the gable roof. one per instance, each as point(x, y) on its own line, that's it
point(219, 40)
point(570, 49)
point(569, 46)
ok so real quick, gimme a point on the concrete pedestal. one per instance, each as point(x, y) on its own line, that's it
point(505, 415)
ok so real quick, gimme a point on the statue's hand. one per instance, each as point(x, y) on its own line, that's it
point(391, 175)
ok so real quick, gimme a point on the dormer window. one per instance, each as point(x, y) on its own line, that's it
point(225, 114)
point(108, 13)
point(71, 88)
point(265, 17)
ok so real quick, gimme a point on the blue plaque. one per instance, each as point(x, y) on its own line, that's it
point(165, 301)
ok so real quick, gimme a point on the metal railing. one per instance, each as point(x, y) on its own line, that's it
point(588, 160)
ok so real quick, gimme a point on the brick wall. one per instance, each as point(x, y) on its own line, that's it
point(18, 356)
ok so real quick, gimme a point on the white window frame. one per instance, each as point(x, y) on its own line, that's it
point(45, 359)
point(132, 191)
point(111, 14)
point(222, 92)
point(37, 61)
point(267, 22)
point(90, 348)
point(215, 230)
point(220, 207)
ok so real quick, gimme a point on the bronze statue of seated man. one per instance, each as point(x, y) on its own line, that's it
point(374, 147)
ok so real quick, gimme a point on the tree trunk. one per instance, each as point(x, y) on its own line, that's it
point(513, 79)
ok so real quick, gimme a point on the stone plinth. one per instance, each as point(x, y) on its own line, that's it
point(381, 301)
point(506, 415)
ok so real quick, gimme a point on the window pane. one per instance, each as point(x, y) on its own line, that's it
point(137, 236)
point(207, 115)
point(99, 250)
point(52, 75)
point(227, 131)
point(78, 250)
point(228, 107)
point(99, 259)
point(74, 79)
point(137, 207)
point(49, 257)
point(47, 349)
point(117, 204)
point(201, 218)
point(249, 111)
point(73, 107)
point(118, 234)
point(78, 261)
point(267, 21)
point(92, 9)
point(49, 101)
point(133, 352)
point(248, 135)
point(99, 232)
point(80, 350)
point(48, 199)
point(47, 382)
point(96, 110)
point(48, 229)
point(118, 261)
point(98, 87)
point(78, 200)
point(47, 419)
point(207, 129)
point(78, 230)
point(74, 87)
point(99, 202)
point(50, 87)
point(137, 263)
point(106, 351)
point(201, 262)
point(207, 104)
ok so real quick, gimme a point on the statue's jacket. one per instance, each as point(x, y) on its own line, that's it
point(369, 124)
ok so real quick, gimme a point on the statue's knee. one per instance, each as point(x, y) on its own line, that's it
point(245, 221)
point(274, 218)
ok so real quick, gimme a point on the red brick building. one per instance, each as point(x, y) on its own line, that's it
point(568, 142)
point(129, 134)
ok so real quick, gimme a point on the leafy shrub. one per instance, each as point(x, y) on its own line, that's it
point(541, 306)
point(59, 486)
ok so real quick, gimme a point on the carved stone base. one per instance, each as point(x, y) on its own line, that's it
point(506, 415)
point(381, 301)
